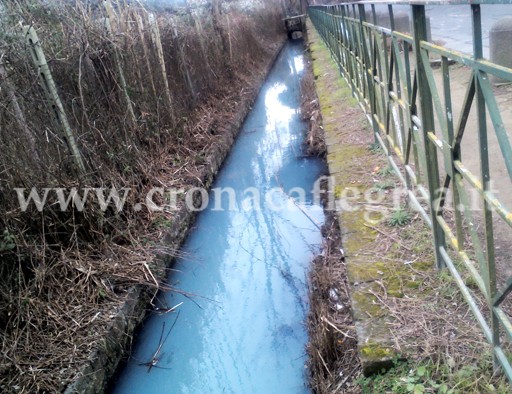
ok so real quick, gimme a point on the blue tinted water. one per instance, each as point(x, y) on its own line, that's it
point(244, 330)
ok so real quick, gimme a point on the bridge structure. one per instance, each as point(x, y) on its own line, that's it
point(403, 82)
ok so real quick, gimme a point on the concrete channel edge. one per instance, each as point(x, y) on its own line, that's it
point(347, 156)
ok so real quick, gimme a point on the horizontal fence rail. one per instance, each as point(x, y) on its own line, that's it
point(403, 82)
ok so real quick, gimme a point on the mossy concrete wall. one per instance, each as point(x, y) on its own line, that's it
point(352, 166)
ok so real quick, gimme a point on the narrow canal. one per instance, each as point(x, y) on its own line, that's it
point(241, 327)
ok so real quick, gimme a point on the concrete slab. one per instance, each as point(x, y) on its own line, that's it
point(353, 168)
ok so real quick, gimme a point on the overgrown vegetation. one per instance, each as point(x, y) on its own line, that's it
point(64, 272)
point(333, 357)
point(442, 377)
point(310, 112)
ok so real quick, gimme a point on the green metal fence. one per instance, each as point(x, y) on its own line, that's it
point(393, 76)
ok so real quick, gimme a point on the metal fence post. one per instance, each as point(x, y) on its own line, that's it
point(488, 268)
point(366, 68)
point(419, 22)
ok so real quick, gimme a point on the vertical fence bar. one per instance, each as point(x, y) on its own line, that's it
point(329, 32)
point(488, 270)
point(366, 67)
point(388, 70)
point(455, 153)
point(337, 34)
point(345, 65)
point(358, 37)
point(349, 50)
point(356, 54)
point(399, 93)
point(427, 121)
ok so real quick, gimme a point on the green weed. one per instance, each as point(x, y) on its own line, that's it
point(386, 171)
point(375, 148)
point(7, 242)
point(399, 217)
point(442, 378)
point(385, 185)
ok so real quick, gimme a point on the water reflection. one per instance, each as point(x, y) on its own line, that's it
point(241, 324)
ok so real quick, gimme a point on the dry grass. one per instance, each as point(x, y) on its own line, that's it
point(56, 319)
point(432, 325)
point(333, 357)
point(310, 112)
point(64, 275)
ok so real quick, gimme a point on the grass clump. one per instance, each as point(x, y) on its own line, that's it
point(442, 377)
point(375, 148)
point(385, 185)
point(386, 171)
point(7, 242)
point(399, 218)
